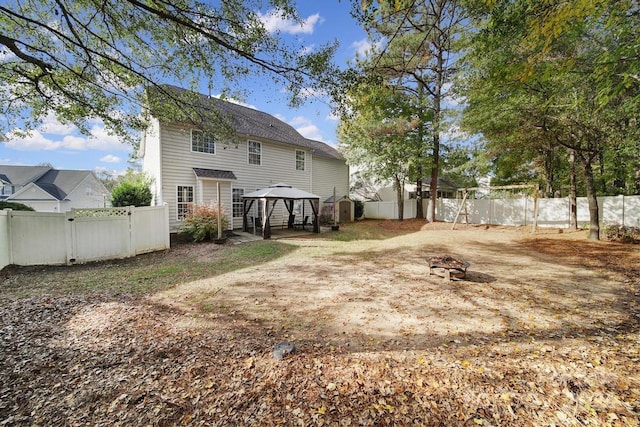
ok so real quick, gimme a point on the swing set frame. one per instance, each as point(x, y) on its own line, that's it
point(466, 191)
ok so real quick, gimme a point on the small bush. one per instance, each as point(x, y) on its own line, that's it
point(326, 215)
point(201, 223)
point(358, 208)
point(131, 194)
point(133, 191)
point(622, 233)
point(15, 206)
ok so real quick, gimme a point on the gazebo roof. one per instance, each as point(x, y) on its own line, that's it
point(281, 191)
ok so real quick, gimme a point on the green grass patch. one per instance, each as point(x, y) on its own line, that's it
point(367, 229)
point(139, 275)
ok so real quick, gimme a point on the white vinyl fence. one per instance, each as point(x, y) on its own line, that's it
point(81, 235)
point(622, 210)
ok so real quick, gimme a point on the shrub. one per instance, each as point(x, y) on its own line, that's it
point(326, 215)
point(15, 206)
point(622, 233)
point(358, 208)
point(201, 223)
point(133, 191)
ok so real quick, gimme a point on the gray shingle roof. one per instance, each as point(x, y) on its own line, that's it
point(253, 123)
point(58, 183)
point(213, 173)
point(22, 175)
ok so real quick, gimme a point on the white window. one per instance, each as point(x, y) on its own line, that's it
point(237, 202)
point(300, 160)
point(255, 152)
point(202, 142)
point(6, 190)
point(184, 199)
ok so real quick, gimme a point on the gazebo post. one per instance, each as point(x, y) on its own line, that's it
point(266, 227)
point(315, 206)
point(291, 216)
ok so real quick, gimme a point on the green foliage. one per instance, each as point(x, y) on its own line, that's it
point(622, 233)
point(15, 206)
point(201, 223)
point(134, 190)
point(82, 60)
point(536, 91)
point(358, 208)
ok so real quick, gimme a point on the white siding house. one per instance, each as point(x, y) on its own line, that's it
point(50, 190)
point(187, 162)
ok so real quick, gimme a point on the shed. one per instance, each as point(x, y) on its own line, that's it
point(342, 208)
point(270, 196)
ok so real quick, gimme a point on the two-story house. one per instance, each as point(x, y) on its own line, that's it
point(189, 164)
point(46, 189)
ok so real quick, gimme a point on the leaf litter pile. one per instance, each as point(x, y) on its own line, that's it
point(118, 359)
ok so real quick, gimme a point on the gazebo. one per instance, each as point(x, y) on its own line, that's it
point(269, 197)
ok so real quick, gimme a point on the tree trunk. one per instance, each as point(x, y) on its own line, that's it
point(573, 192)
point(594, 215)
point(419, 210)
point(437, 110)
point(400, 198)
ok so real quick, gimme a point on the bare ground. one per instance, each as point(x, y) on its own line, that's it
point(543, 331)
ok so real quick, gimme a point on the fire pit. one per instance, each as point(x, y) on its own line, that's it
point(448, 267)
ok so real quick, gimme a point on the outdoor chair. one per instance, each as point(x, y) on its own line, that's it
point(303, 224)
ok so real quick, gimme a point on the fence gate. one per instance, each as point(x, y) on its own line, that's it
point(97, 234)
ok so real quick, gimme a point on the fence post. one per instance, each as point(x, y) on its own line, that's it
point(9, 237)
point(131, 212)
point(166, 229)
point(70, 236)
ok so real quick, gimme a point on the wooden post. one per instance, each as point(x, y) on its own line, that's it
point(464, 200)
point(219, 211)
point(335, 215)
point(535, 208)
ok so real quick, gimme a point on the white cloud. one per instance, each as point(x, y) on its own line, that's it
point(53, 135)
point(31, 141)
point(306, 128)
point(274, 21)
point(236, 101)
point(110, 158)
point(113, 173)
point(51, 125)
point(361, 46)
point(364, 47)
point(333, 116)
point(101, 140)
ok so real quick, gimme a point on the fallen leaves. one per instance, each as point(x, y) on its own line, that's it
point(100, 360)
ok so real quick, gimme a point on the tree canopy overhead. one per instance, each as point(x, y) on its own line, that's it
point(93, 59)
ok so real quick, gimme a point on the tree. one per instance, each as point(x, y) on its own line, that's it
point(380, 134)
point(418, 56)
point(90, 59)
point(529, 93)
point(133, 190)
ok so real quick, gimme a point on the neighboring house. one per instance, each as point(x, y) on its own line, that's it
point(446, 189)
point(46, 189)
point(189, 163)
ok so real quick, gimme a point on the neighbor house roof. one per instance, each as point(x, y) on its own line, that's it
point(246, 121)
point(22, 175)
point(57, 183)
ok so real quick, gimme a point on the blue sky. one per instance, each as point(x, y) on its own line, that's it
point(65, 148)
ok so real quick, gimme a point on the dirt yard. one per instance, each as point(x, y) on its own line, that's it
point(544, 330)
